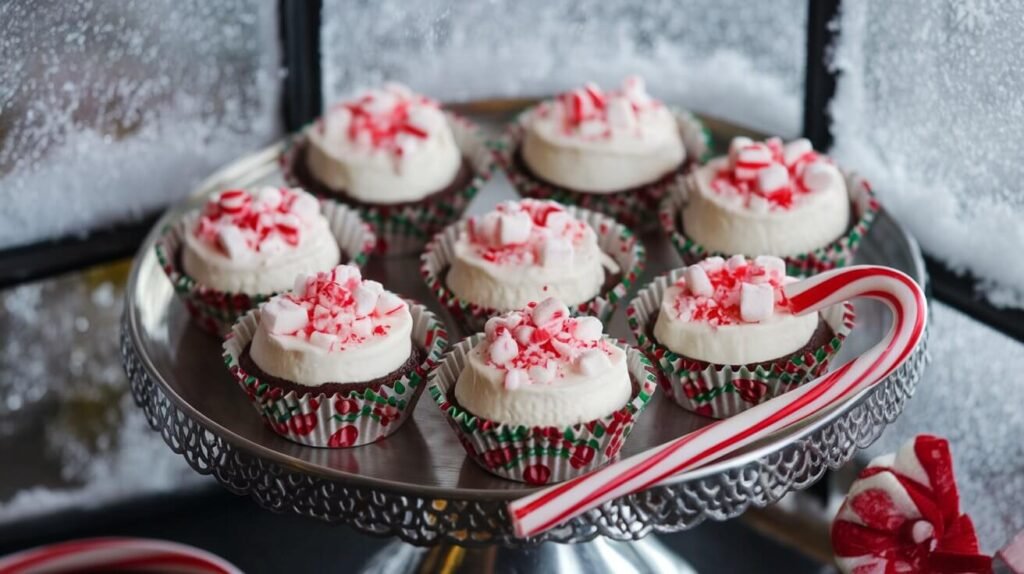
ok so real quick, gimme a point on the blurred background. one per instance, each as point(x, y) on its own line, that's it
point(112, 111)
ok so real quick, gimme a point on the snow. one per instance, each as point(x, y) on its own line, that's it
point(928, 107)
point(738, 60)
point(113, 110)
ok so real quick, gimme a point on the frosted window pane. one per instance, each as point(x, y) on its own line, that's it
point(929, 107)
point(109, 110)
point(735, 59)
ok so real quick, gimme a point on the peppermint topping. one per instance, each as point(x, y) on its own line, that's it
point(333, 310)
point(769, 175)
point(590, 113)
point(241, 224)
point(542, 343)
point(528, 232)
point(732, 292)
point(393, 120)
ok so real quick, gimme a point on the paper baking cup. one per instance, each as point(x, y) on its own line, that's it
point(634, 206)
point(839, 253)
point(214, 310)
point(613, 238)
point(339, 419)
point(540, 455)
point(406, 227)
point(721, 391)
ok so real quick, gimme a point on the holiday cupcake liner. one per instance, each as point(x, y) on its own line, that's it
point(633, 206)
point(406, 227)
point(540, 455)
point(721, 391)
point(344, 418)
point(215, 310)
point(839, 253)
point(613, 238)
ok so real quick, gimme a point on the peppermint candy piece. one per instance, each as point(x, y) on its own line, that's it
point(796, 150)
point(902, 514)
point(503, 349)
point(771, 264)
point(549, 315)
point(752, 159)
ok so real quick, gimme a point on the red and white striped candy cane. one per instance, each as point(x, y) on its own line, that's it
point(108, 554)
point(544, 509)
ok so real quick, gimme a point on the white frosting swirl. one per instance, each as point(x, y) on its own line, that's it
point(386, 146)
point(539, 367)
point(523, 251)
point(258, 242)
point(602, 142)
point(334, 328)
point(732, 313)
point(766, 198)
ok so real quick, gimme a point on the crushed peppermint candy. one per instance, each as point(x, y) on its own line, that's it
point(240, 223)
point(591, 113)
point(770, 175)
point(529, 232)
point(333, 310)
point(392, 119)
point(543, 343)
point(732, 292)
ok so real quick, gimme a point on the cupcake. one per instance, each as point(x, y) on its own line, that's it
point(338, 361)
point(771, 198)
point(616, 152)
point(243, 246)
point(528, 250)
point(542, 396)
point(409, 167)
point(723, 333)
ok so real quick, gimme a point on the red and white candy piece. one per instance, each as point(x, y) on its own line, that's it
point(796, 151)
point(902, 514)
point(551, 506)
point(549, 314)
point(115, 555)
point(750, 160)
point(503, 348)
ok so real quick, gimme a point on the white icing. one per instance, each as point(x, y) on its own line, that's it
point(560, 259)
point(628, 141)
point(722, 219)
point(338, 342)
point(746, 331)
point(400, 166)
point(269, 268)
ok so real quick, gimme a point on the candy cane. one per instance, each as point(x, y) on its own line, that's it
point(106, 554)
point(544, 509)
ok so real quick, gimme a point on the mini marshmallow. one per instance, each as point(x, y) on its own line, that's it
point(542, 375)
point(342, 274)
point(563, 348)
point(593, 362)
point(621, 115)
point(366, 300)
point(819, 176)
point(795, 150)
point(557, 220)
point(373, 286)
point(750, 160)
point(713, 263)
point(771, 264)
point(758, 204)
point(514, 319)
point(757, 302)
point(556, 252)
point(514, 229)
point(523, 334)
point(516, 378)
point(735, 262)
point(549, 314)
point(587, 329)
point(232, 240)
point(503, 349)
point(305, 206)
point(388, 303)
point(268, 198)
point(362, 327)
point(282, 316)
point(487, 228)
point(322, 340)
point(737, 143)
point(697, 281)
point(772, 178)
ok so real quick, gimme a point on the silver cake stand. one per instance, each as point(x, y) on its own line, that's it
point(418, 486)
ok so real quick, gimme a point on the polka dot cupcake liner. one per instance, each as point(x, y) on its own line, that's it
point(721, 391)
point(406, 227)
point(540, 455)
point(632, 207)
point(214, 310)
point(615, 239)
point(839, 253)
point(345, 418)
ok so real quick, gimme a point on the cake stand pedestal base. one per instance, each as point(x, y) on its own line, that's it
point(601, 555)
